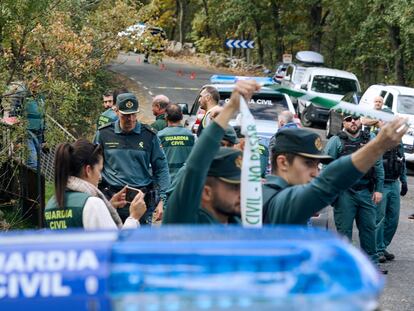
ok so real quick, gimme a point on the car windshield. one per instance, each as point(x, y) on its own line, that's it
point(333, 85)
point(405, 104)
point(263, 106)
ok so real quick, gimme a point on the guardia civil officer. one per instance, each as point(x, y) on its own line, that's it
point(297, 189)
point(388, 210)
point(207, 190)
point(263, 151)
point(133, 157)
point(359, 201)
point(159, 105)
point(176, 140)
point(77, 202)
point(109, 115)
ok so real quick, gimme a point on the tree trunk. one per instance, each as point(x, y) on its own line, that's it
point(317, 21)
point(208, 31)
point(260, 51)
point(277, 27)
point(181, 9)
point(395, 38)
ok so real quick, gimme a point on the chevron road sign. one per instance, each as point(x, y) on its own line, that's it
point(239, 44)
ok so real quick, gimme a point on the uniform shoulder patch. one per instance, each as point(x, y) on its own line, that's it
point(104, 126)
point(149, 128)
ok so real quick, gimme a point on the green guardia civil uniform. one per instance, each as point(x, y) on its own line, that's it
point(68, 217)
point(356, 202)
point(135, 159)
point(184, 203)
point(177, 143)
point(108, 116)
point(160, 122)
point(388, 210)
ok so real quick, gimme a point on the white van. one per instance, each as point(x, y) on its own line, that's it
point(308, 75)
point(326, 82)
point(400, 100)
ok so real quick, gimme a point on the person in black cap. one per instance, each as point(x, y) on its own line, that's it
point(295, 190)
point(208, 187)
point(358, 203)
point(133, 156)
point(263, 151)
point(230, 138)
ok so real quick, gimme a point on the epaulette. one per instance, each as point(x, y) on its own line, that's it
point(104, 126)
point(150, 128)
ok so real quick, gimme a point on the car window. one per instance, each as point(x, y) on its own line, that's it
point(389, 100)
point(333, 85)
point(263, 106)
point(405, 104)
point(289, 72)
point(383, 93)
point(299, 74)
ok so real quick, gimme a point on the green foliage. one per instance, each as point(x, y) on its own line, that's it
point(370, 38)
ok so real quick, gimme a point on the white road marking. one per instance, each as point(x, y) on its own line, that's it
point(145, 88)
point(150, 93)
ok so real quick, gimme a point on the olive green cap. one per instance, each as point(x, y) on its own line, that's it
point(302, 142)
point(127, 103)
point(227, 165)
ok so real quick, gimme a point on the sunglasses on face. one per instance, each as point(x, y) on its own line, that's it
point(349, 119)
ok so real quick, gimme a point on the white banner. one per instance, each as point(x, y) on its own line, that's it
point(251, 184)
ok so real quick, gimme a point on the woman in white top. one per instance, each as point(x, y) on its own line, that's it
point(77, 201)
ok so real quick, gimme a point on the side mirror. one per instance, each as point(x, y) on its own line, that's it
point(304, 86)
point(184, 108)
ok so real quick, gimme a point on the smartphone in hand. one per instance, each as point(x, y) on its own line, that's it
point(130, 194)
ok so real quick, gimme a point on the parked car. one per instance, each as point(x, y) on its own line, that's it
point(142, 38)
point(280, 73)
point(400, 100)
point(265, 106)
point(334, 122)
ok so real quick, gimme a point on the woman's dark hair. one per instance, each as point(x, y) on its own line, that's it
point(69, 161)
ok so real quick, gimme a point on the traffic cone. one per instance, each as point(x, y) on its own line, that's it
point(162, 66)
point(139, 60)
point(179, 73)
point(192, 76)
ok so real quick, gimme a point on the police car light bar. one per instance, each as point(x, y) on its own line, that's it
point(223, 79)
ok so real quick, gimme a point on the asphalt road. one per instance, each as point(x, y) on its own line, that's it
point(175, 80)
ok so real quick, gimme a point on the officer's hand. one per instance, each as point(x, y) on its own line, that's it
point(376, 197)
point(118, 200)
point(138, 206)
point(245, 88)
point(404, 189)
point(392, 133)
point(159, 211)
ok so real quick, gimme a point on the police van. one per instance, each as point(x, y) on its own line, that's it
point(265, 105)
point(309, 75)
